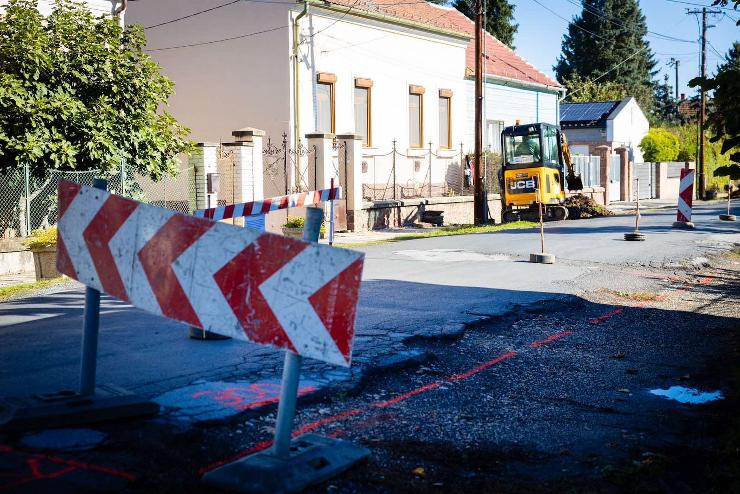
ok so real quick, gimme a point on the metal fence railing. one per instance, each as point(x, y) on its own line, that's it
point(589, 167)
point(28, 203)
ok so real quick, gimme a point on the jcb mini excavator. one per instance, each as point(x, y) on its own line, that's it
point(534, 159)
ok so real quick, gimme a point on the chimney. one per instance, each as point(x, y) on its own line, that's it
point(683, 96)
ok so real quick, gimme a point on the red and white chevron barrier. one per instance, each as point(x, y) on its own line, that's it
point(685, 196)
point(233, 281)
point(254, 208)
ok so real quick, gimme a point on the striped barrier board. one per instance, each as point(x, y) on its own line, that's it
point(264, 206)
point(242, 283)
point(685, 196)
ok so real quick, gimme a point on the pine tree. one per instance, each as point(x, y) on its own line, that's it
point(607, 42)
point(664, 107)
point(499, 18)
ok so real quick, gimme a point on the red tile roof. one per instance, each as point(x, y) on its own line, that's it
point(500, 60)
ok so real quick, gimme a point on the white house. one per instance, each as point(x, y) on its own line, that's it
point(611, 123)
point(363, 68)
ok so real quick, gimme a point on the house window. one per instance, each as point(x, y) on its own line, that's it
point(325, 102)
point(493, 135)
point(416, 116)
point(363, 119)
point(445, 114)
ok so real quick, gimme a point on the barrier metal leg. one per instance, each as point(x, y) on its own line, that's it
point(91, 403)
point(290, 465)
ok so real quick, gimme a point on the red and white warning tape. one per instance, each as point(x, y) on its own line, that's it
point(271, 204)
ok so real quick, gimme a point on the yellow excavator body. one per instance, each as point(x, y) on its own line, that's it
point(535, 157)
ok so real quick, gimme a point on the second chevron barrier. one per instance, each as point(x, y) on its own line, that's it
point(685, 199)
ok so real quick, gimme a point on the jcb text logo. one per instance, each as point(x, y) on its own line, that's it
point(523, 184)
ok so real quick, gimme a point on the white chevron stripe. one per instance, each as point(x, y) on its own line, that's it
point(72, 225)
point(687, 182)
point(125, 246)
point(196, 267)
point(684, 209)
point(288, 298)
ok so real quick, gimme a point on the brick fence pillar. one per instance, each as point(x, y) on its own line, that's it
point(248, 167)
point(320, 169)
point(624, 173)
point(350, 177)
point(202, 161)
point(604, 167)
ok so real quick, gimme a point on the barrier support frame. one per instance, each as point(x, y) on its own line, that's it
point(290, 465)
point(91, 403)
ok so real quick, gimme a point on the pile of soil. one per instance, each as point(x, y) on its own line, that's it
point(585, 207)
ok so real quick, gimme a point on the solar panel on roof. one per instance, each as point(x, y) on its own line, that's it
point(586, 112)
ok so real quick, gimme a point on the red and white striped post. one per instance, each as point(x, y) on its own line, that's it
point(685, 199)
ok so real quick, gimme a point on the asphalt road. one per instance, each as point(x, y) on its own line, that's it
point(430, 309)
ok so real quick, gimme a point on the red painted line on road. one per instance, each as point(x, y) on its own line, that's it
point(550, 339)
point(604, 317)
point(328, 420)
point(482, 367)
point(405, 396)
point(262, 445)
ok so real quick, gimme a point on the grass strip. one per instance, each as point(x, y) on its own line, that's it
point(445, 232)
point(16, 291)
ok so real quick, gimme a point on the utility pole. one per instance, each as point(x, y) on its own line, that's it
point(675, 63)
point(703, 105)
point(479, 194)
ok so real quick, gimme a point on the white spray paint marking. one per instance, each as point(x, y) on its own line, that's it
point(688, 395)
point(450, 255)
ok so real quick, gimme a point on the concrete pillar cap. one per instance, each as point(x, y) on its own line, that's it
point(247, 133)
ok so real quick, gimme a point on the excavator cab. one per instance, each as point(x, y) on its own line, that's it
point(535, 157)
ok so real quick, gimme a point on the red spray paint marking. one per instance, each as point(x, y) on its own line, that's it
point(248, 397)
point(33, 461)
point(405, 396)
point(550, 339)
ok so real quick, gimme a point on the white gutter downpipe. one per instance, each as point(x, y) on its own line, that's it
point(296, 91)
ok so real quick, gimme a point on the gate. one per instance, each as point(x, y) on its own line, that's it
point(340, 206)
point(646, 173)
point(615, 175)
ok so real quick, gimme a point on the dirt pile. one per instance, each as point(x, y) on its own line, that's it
point(581, 206)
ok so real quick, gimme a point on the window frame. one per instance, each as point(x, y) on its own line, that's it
point(446, 94)
point(326, 79)
point(417, 91)
point(366, 84)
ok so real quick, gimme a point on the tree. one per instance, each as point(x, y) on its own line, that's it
point(665, 110)
point(659, 145)
point(724, 3)
point(499, 17)
point(582, 90)
point(607, 41)
point(724, 119)
point(79, 93)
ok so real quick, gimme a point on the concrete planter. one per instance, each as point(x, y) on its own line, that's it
point(296, 232)
point(45, 263)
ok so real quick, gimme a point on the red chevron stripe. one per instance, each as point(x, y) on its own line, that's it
point(157, 256)
point(261, 260)
point(67, 191)
point(114, 213)
point(228, 211)
point(266, 206)
point(284, 202)
point(336, 303)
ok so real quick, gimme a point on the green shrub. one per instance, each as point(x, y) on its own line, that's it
point(687, 142)
point(659, 145)
point(41, 238)
point(300, 222)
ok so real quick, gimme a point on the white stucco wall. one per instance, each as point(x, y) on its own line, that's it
point(508, 103)
point(222, 86)
point(393, 57)
point(627, 126)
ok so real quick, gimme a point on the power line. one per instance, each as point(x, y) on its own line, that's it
point(177, 19)
point(698, 4)
point(614, 20)
point(335, 21)
point(610, 70)
point(218, 40)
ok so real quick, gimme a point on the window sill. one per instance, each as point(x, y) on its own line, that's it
point(447, 152)
point(417, 152)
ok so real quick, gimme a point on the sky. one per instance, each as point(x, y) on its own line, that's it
point(540, 34)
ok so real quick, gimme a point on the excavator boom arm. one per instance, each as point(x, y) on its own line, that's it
point(574, 181)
